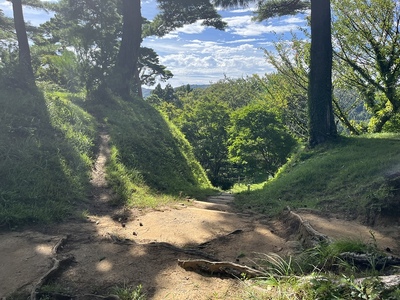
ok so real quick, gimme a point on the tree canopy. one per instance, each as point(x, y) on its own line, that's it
point(367, 47)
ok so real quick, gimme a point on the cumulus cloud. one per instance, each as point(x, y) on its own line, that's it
point(245, 26)
point(202, 62)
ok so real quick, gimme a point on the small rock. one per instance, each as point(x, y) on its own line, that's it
point(134, 233)
point(140, 224)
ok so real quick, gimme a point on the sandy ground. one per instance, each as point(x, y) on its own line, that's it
point(135, 247)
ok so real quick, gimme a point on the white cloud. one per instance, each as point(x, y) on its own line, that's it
point(4, 4)
point(202, 62)
point(195, 28)
point(245, 26)
point(295, 19)
point(242, 41)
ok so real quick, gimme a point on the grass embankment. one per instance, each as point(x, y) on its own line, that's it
point(353, 175)
point(48, 147)
point(46, 151)
point(151, 161)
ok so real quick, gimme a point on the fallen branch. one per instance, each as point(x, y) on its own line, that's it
point(221, 268)
point(368, 260)
point(189, 251)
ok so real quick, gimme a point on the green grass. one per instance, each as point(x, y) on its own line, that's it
point(48, 146)
point(129, 292)
point(347, 176)
point(46, 150)
point(321, 273)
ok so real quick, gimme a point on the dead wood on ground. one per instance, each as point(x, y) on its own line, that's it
point(220, 268)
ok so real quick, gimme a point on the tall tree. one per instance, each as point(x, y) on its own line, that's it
point(24, 54)
point(93, 28)
point(128, 55)
point(173, 14)
point(115, 29)
point(321, 121)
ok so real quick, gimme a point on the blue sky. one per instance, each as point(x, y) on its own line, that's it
point(199, 55)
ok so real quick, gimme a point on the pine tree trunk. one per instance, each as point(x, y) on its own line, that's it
point(129, 50)
point(321, 121)
point(24, 53)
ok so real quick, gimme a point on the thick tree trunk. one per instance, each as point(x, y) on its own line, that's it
point(321, 121)
point(129, 50)
point(25, 60)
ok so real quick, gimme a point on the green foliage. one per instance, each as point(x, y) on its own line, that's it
point(205, 124)
point(63, 70)
point(321, 273)
point(150, 68)
point(347, 176)
point(93, 29)
point(129, 293)
point(175, 14)
point(235, 93)
point(366, 33)
point(46, 145)
point(325, 257)
point(204, 116)
point(258, 142)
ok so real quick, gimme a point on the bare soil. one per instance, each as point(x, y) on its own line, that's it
point(130, 247)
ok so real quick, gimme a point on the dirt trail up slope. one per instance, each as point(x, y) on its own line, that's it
point(128, 247)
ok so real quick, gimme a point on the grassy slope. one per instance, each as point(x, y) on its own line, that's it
point(151, 160)
point(349, 176)
point(48, 145)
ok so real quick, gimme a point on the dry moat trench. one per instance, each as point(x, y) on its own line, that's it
point(128, 247)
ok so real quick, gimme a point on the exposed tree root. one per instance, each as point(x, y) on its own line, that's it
point(61, 242)
point(308, 236)
point(220, 268)
point(368, 260)
point(58, 265)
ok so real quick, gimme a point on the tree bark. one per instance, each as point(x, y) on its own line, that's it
point(321, 121)
point(25, 60)
point(129, 49)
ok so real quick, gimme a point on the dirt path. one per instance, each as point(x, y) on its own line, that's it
point(134, 247)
